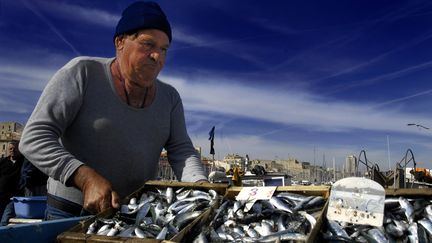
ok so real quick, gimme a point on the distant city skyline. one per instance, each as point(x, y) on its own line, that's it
point(277, 79)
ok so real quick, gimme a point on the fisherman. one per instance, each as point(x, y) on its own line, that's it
point(101, 123)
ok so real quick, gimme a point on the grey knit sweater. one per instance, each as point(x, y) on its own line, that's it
point(79, 119)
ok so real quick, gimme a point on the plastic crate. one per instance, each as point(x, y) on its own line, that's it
point(30, 207)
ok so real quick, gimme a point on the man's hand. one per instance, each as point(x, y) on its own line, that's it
point(97, 191)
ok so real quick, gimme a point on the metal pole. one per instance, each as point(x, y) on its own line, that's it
point(388, 152)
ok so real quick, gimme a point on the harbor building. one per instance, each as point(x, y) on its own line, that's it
point(9, 132)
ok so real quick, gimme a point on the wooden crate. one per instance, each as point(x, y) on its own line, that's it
point(78, 232)
point(323, 191)
point(400, 192)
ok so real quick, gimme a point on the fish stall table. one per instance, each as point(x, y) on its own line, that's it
point(82, 232)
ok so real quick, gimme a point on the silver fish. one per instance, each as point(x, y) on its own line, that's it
point(303, 203)
point(413, 233)
point(92, 228)
point(277, 203)
point(104, 229)
point(428, 212)
point(195, 193)
point(162, 234)
point(264, 229)
point(286, 235)
point(377, 235)
point(239, 231)
point(291, 196)
point(142, 213)
point(114, 230)
point(281, 222)
point(252, 232)
point(184, 194)
point(427, 224)
point(201, 238)
point(336, 228)
point(393, 230)
point(408, 208)
point(315, 202)
point(181, 220)
point(133, 201)
point(127, 232)
point(213, 194)
point(186, 207)
point(170, 195)
point(140, 233)
point(309, 218)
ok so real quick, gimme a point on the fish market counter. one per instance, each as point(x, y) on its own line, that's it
point(169, 211)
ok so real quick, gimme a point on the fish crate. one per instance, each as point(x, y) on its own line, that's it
point(232, 192)
point(78, 232)
point(409, 193)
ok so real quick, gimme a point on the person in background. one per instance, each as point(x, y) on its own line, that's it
point(10, 174)
point(33, 181)
point(100, 124)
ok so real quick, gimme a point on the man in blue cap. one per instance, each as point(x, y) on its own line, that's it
point(100, 124)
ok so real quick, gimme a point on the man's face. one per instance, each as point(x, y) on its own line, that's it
point(13, 150)
point(142, 56)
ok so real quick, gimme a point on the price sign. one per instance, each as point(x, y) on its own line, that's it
point(252, 194)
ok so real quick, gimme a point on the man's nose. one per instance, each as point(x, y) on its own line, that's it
point(155, 55)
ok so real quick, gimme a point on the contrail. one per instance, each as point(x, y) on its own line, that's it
point(51, 26)
point(403, 98)
point(383, 77)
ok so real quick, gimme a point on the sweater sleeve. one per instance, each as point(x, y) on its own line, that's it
point(182, 155)
point(55, 111)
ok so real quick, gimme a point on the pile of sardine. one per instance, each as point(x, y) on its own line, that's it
point(405, 220)
point(286, 216)
point(156, 215)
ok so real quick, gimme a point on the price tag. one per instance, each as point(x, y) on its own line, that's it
point(252, 194)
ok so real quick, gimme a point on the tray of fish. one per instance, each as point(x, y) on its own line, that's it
point(289, 215)
point(158, 211)
point(407, 218)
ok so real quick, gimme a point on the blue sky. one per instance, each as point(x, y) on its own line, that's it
point(300, 79)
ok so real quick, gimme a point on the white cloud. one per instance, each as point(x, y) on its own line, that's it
point(301, 110)
point(76, 12)
point(288, 107)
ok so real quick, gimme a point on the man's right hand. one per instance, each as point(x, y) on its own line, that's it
point(97, 191)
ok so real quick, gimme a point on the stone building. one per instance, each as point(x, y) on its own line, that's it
point(9, 131)
point(235, 160)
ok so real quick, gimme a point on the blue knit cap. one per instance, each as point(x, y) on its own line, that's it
point(143, 15)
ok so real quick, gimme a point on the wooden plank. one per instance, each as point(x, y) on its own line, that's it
point(409, 192)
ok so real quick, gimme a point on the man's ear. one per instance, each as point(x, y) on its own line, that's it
point(119, 42)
